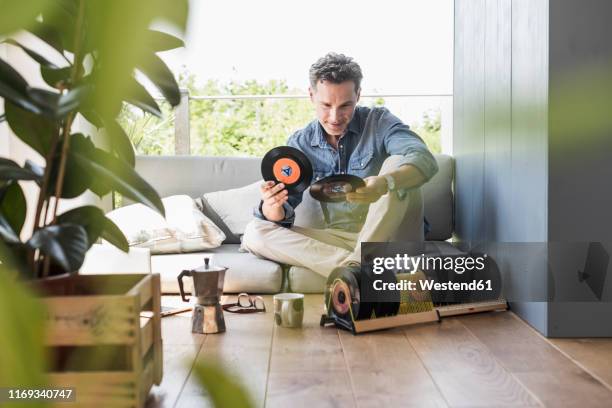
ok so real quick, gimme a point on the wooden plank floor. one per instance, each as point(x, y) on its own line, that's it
point(484, 360)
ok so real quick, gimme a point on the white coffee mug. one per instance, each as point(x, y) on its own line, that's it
point(289, 309)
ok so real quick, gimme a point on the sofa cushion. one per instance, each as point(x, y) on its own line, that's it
point(235, 206)
point(106, 259)
point(209, 211)
point(304, 280)
point(246, 272)
point(197, 175)
point(232, 209)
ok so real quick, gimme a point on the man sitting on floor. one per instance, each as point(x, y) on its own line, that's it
point(345, 139)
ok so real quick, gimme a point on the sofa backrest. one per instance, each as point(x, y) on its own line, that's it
point(196, 175)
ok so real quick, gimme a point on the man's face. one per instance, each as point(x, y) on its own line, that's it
point(335, 105)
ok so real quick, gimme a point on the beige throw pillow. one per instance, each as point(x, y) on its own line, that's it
point(235, 206)
point(185, 228)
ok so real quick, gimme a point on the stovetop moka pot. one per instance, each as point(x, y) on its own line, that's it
point(207, 289)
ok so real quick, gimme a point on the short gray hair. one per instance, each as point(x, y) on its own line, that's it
point(335, 68)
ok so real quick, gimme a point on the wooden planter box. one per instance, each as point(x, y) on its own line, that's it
point(104, 335)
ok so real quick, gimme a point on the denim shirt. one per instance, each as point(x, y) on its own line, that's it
point(372, 135)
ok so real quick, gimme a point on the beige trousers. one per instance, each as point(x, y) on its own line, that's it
point(323, 250)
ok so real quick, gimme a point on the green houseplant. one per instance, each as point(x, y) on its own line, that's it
point(104, 48)
point(93, 55)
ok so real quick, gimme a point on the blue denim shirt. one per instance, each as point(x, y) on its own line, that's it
point(372, 135)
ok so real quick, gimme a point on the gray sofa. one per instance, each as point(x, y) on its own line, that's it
point(195, 176)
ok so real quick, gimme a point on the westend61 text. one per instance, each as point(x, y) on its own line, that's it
point(431, 285)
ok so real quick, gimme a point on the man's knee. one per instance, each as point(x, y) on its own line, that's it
point(256, 233)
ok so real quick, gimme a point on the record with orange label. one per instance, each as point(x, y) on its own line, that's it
point(287, 165)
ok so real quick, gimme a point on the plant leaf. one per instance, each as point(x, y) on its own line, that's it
point(36, 169)
point(139, 97)
point(114, 235)
point(45, 100)
point(56, 77)
point(117, 50)
point(34, 130)
point(174, 12)
point(22, 350)
point(13, 209)
point(7, 233)
point(71, 100)
point(33, 54)
point(48, 34)
point(223, 389)
point(158, 72)
point(9, 170)
point(92, 117)
point(96, 224)
point(55, 105)
point(14, 88)
point(19, 14)
point(77, 178)
point(65, 243)
point(159, 41)
point(120, 177)
point(62, 16)
point(88, 217)
point(119, 142)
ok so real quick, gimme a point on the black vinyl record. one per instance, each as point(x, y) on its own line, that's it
point(342, 294)
point(287, 165)
point(333, 189)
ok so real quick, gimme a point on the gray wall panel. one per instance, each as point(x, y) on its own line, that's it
point(469, 140)
point(528, 222)
point(498, 117)
point(459, 114)
point(533, 136)
point(580, 167)
point(529, 124)
point(500, 133)
point(581, 85)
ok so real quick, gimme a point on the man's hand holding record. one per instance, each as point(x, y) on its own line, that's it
point(336, 188)
point(273, 195)
point(285, 170)
point(374, 188)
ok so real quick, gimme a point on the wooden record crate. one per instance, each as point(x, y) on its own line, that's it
point(104, 337)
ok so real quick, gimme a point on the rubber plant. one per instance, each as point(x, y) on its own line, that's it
point(94, 56)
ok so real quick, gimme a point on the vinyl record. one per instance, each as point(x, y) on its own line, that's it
point(289, 166)
point(333, 189)
point(342, 294)
point(384, 302)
